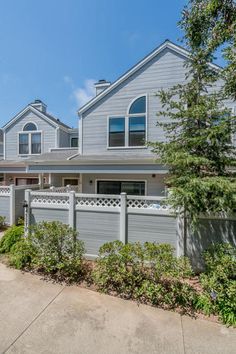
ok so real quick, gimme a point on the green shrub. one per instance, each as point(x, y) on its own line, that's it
point(119, 268)
point(219, 283)
point(2, 222)
point(163, 263)
point(20, 221)
point(148, 273)
point(22, 254)
point(221, 259)
point(10, 237)
point(57, 249)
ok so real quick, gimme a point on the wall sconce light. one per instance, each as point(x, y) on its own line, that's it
point(153, 176)
point(91, 182)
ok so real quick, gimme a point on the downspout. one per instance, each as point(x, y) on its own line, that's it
point(80, 127)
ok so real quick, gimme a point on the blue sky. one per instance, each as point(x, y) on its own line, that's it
point(54, 50)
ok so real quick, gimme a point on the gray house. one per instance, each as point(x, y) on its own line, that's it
point(114, 128)
point(115, 125)
point(33, 132)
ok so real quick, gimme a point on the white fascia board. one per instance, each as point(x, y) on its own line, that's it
point(37, 112)
point(135, 68)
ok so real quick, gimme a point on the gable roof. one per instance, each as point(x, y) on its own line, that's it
point(167, 44)
point(57, 121)
point(49, 118)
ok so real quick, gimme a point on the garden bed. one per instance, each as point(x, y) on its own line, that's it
point(148, 274)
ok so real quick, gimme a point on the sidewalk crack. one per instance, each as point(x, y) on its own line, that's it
point(182, 333)
point(34, 319)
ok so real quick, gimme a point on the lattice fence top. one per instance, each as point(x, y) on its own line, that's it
point(98, 202)
point(4, 190)
point(94, 200)
point(146, 204)
point(45, 199)
point(65, 189)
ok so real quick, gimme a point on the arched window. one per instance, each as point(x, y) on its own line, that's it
point(30, 127)
point(129, 130)
point(138, 106)
point(30, 140)
point(137, 122)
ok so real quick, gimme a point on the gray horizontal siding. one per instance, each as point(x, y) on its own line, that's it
point(57, 178)
point(152, 228)
point(5, 207)
point(48, 134)
point(38, 215)
point(64, 138)
point(164, 71)
point(97, 228)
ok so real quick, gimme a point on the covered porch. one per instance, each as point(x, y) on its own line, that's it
point(16, 173)
point(96, 175)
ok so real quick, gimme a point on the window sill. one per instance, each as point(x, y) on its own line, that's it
point(126, 147)
point(27, 155)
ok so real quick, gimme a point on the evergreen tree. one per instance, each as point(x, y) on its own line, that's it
point(198, 148)
point(211, 24)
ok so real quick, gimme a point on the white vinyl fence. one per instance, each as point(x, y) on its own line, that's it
point(104, 218)
point(12, 201)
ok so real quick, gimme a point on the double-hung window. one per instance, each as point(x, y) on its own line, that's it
point(23, 144)
point(129, 131)
point(117, 131)
point(30, 140)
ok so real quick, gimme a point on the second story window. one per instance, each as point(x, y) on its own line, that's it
point(74, 142)
point(30, 140)
point(129, 131)
point(116, 131)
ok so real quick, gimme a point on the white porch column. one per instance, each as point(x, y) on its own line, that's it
point(41, 180)
point(80, 183)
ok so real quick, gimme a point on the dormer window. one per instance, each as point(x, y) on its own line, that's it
point(30, 140)
point(30, 127)
point(130, 130)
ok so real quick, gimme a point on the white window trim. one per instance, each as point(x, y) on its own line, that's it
point(120, 180)
point(127, 116)
point(30, 132)
point(70, 177)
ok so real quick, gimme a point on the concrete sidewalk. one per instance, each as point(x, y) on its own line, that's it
point(41, 317)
